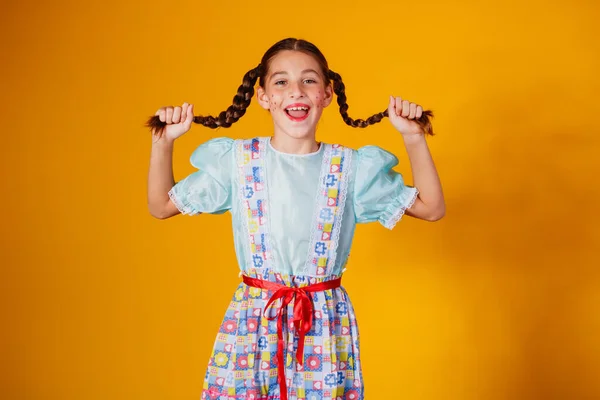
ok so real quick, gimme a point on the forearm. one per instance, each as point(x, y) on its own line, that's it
point(430, 204)
point(160, 175)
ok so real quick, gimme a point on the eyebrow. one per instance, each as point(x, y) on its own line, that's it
point(285, 73)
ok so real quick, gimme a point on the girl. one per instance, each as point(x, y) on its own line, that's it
point(290, 331)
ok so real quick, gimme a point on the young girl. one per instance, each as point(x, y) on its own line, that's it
point(290, 331)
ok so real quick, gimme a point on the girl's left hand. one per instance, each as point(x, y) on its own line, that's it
point(403, 115)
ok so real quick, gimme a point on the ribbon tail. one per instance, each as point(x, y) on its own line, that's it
point(303, 313)
point(281, 369)
point(281, 345)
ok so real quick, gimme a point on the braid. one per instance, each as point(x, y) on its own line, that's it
point(340, 90)
point(234, 112)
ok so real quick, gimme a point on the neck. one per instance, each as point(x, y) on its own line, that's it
point(290, 145)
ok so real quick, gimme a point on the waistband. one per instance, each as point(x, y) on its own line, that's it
point(290, 280)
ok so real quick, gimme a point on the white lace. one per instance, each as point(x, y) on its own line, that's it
point(184, 209)
point(239, 154)
point(264, 141)
point(337, 226)
point(316, 208)
point(399, 213)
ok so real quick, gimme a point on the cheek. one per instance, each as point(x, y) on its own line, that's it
point(320, 98)
point(273, 103)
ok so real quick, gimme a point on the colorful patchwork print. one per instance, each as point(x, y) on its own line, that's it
point(254, 195)
point(243, 362)
point(329, 210)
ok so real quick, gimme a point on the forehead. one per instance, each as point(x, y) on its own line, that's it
point(293, 62)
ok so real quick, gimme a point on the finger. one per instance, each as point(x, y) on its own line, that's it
point(405, 108)
point(398, 105)
point(161, 114)
point(184, 108)
point(419, 112)
point(413, 111)
point(176, 115)
point(169, 119)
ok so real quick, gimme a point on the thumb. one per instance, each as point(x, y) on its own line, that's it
point(392, 107)
point(189, 116)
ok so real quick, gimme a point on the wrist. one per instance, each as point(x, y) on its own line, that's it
point(414, 139)
point(162, 141)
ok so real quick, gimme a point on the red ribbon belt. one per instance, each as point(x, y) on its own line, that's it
point(303, 316)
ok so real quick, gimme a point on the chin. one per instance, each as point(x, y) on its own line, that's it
point(299, 134)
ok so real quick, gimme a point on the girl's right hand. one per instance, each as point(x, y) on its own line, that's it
point(178, 121)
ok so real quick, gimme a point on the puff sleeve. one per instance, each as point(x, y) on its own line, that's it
point(208, 190)
point(379, 192)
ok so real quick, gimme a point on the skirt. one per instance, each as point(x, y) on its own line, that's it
point(243, 364)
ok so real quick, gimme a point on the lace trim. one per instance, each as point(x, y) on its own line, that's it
point(184, 207)
point(391, 222)
point(337, 224)
point(239, 155)
point(316, 208)
point(264, 141)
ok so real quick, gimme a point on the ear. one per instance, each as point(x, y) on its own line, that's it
point(263, 98)
point(328, 95)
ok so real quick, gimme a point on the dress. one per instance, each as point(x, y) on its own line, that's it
point(293, 220)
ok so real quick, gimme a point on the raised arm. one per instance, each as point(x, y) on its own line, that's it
point(160, 174)
point(430, 204)
point(160, 179)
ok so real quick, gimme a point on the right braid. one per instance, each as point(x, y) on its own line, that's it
point(234, 112)
point(340, 90)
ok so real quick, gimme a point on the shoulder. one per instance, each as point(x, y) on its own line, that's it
point(212, 154)
point(368, 155)
point(376, 156)
point(214, 146)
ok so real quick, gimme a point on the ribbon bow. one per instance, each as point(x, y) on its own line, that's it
point(302, 319)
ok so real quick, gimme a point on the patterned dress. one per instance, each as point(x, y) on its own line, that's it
point(293, 219)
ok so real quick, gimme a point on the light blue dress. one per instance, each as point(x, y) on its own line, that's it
point(293, 220)
point(375, 193)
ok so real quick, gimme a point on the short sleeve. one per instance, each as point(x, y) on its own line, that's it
point(379, 192)
point(208, 190)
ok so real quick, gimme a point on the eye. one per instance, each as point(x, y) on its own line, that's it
point(280, 82)
point(309, 80)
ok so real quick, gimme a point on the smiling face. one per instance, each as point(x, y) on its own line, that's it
point(295, 92)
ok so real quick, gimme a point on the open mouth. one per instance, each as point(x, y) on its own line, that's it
point(297, 112)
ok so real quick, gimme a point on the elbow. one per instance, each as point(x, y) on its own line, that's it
point(436, 214)
point(159, 216)
point(157, 213)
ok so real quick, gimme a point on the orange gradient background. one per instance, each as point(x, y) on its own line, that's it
point(499, 300)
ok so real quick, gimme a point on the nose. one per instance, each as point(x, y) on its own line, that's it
point(295, 91)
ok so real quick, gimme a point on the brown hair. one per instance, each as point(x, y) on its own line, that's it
point(242, 98)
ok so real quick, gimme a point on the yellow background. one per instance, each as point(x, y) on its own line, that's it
point(499, 300)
